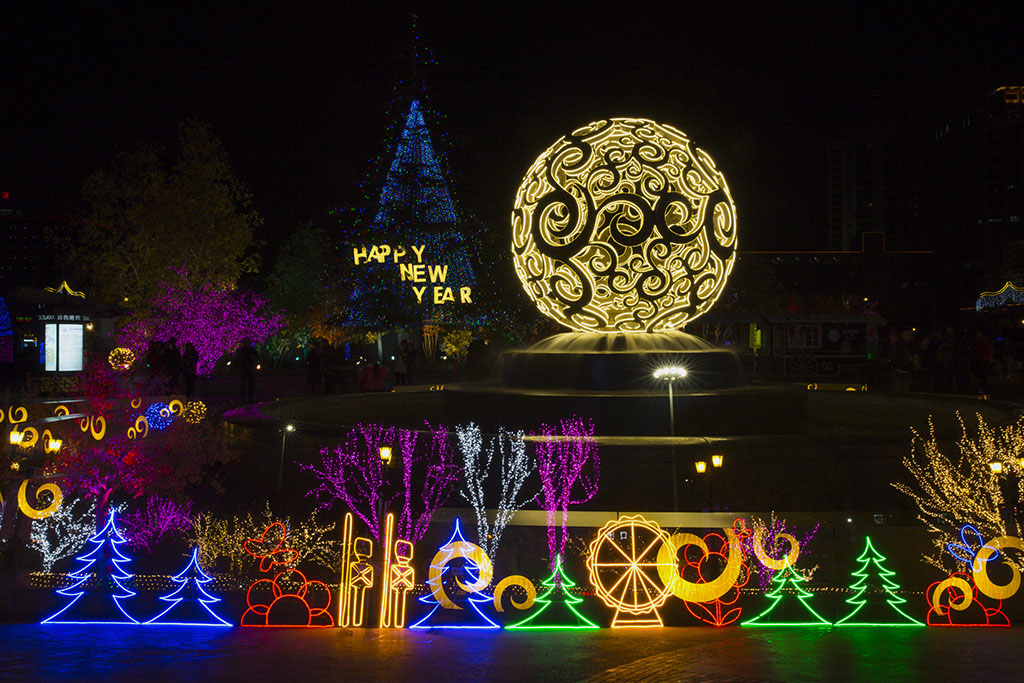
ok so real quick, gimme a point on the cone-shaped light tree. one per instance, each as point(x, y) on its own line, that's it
point(559, 606)
point(786, 613)
point(189, 602)
point(874, 602)
point(98, 600)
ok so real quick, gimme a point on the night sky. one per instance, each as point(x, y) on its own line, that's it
point(298, 96)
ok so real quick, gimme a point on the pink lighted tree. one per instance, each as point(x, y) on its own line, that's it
point(163, 465)
point(352, 473)
point(144, 527)
point(214, 318)
point(570, 469)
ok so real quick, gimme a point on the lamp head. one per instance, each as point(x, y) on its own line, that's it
point(385, 455)
point(289, 428)
point(701, 466)
point(996, 467)
point(717, 460)
point(670, 373)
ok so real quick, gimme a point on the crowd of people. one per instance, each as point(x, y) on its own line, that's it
point(951, 361)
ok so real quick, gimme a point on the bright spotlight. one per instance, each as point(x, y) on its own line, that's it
point(670, 373)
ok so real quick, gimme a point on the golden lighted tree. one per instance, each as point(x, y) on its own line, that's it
point(953, 488)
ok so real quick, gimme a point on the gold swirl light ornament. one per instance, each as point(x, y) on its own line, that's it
point(98, 427)
point(174, 407)
point(33, 513)
point(17, 410)
point(623, 226)
point(521, 582)
point(140, 429)
point(689, 591)
point(61, 410)
point(770, 562)
point(29, 437)
point(450, 551)
point(959, 604)
point(980, 569)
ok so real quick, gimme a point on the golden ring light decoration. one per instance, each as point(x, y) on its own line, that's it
point(447, 553)
point(174, 408)
point(521, 582)
point(626, 567)
point(61, 411)
point(11, 413)
point(136, 403)
point(980, 569)
point(33, 513)
point(689, 591)
point(771, 562)
point(624, 226)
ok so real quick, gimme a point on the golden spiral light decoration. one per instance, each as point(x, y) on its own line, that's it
point(690, 591)
point(29, 437)
point(33, 513)
point(521, 582)
point(770, 562)
point(960, 603)
point(11, 412)
point(61, 410)
point(624, 226)
point(980, 569)
point(140, 429)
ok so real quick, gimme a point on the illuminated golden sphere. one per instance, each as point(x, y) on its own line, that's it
point(194, 412)
point(624, 226)
point(121, 358)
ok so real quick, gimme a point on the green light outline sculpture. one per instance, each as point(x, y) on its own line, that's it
point(780, 578)
point(556, 581)
point(887, 584)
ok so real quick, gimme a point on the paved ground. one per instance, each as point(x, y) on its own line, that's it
point(156, 654)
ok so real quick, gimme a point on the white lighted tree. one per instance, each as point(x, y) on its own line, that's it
point(63, 533)
point(953, 489)
point(514, 466)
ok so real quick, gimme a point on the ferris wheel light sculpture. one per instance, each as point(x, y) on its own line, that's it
point(625, 567)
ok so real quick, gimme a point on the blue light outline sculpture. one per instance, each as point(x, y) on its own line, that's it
point(81, 576)
point(201, 578)
point(426, 599)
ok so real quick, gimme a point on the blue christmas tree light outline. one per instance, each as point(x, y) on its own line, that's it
point(111, 533)
point(473, 600)
point(174, 598)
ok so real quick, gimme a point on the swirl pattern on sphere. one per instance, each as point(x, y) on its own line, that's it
point(623, 226)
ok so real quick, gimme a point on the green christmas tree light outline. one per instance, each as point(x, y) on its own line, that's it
point(794, 579)
point(884, 574)
point(560, 582)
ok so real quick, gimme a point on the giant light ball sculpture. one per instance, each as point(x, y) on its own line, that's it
point(624, 226)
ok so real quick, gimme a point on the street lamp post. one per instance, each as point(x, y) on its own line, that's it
point(702, 468)
point(385, 462)
point(1008, 488)
point(284, 440)
point(670, 374)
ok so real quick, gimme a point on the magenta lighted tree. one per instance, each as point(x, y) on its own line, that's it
point(570, 470)
point(352, 473)
point(214, 318)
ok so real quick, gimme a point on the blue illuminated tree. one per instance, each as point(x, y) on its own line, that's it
point(190, 603)
point(558, 611)
point(415, 207)
point(448, 579)
point(98, 587)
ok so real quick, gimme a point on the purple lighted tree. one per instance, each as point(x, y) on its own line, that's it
point(144, 527)
point(428, 477)
point(352, 473)
point(570, 469)
point(214, 318)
